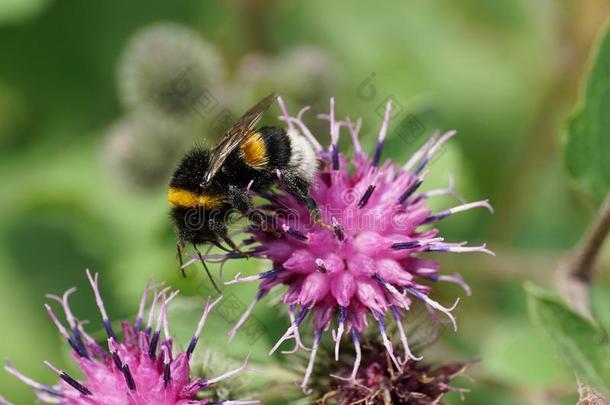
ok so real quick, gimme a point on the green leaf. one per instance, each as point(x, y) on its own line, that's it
point(517, 352)
point(581, 345)
point(588, 131)
point(600, 303)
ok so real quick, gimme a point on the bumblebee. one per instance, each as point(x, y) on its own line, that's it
point(209, 185)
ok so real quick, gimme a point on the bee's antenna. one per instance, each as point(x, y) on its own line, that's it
point(205, 266)
point(179, 256)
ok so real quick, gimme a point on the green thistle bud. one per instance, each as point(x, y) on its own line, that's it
point(168, 70)
point(141, 150)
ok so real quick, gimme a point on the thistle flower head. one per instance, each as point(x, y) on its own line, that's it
point(170, 71)
point(141, 150)
point(376, 383)
point(141, 368)
point(305, 72)
point(366, 264)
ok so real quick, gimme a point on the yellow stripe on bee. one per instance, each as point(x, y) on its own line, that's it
point(254, 151)
point(184, 198)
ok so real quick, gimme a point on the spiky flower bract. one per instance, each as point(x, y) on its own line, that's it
point(139, 369)
point(378, 383)
point(365, 261)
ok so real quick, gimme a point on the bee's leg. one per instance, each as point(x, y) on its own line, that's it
point(241, 201)
point(179, 247)
point(231, 244)
point(221, 247)
point(219, 228)
point(205, 266)
point(299, 189)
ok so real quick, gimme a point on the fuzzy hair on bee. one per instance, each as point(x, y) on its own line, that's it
point(209, 185)
point(196, 212)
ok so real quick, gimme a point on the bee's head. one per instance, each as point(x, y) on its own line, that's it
point(191, 171)
point(192, 225)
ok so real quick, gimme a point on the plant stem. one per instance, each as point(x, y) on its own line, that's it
point(583, 260)
point(575, 277)
point(576, 273)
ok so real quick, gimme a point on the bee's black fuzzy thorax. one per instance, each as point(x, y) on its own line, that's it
point(189, 173)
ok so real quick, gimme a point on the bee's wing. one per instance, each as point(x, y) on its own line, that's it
point(236, 134)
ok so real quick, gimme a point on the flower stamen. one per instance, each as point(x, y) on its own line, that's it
point(131, 384)
point(366, 196)
point(298, 343)
point(386, 341)
point(415, 184)
point(28, 381)
point(167, 370)
point(242, 320)
point(208, 307)
point(403, 337)
point(354, 130)
point(432, 151)
point(244, 367)
point(62, 330)
point(304, 130)
point(419, 154)
point(100, 303)
point(340, 330)
point(459, 208)
point(310, 364)
point(456, 279)
point(71, 381)
point(285, 116)
point(141, 307)
point(414, 244)
point(153, 308)
point(358, 359)
point(295, 324)
point(449, 190)
point(459, 248)
point(430, 302)
point(382, 133)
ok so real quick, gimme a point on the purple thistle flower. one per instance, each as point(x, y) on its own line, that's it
point(365, 264)
point(141, 369)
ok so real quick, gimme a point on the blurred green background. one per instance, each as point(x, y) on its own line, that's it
point(86, 147)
